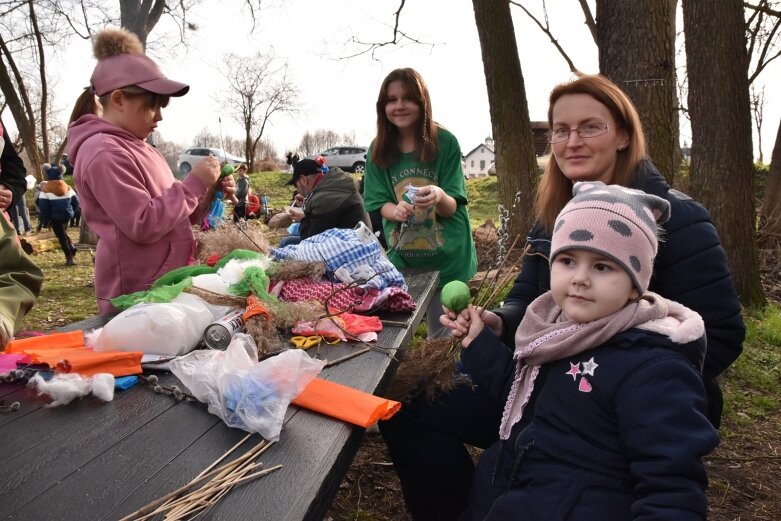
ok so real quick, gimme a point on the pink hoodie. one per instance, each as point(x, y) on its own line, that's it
point(130, 198)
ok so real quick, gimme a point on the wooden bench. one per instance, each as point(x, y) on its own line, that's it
point(93, 460)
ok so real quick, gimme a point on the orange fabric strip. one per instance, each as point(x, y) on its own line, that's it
point(53, 341)
point(345, 403)
point(87, 362)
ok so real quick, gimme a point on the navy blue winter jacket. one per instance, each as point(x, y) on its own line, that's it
point(57, 202)
point(690, 268)
point(626, 444)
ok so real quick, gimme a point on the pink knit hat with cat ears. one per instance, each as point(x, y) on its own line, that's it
point(620, 223)
point(122, 63)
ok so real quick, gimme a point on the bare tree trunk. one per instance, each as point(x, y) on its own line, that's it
point(722, 173)
point(636, 51)
point(18, 100)
point(770, 223)
point(44, 118)
point(516, 161)
point(140, 16)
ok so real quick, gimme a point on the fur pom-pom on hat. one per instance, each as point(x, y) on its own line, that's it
point(113, 42)
point(122, 63)
point(53, 173)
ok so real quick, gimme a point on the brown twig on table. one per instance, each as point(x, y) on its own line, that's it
point(347, 357)
point(394, 323)
point(173, 390)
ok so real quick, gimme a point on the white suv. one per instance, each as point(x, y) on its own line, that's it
point(352, 159)
point(189, 157)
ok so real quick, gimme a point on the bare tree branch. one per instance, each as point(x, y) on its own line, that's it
point(590, 23)
point(765, 9)
point(762, 33)
point(398, 37)
point(546, 29)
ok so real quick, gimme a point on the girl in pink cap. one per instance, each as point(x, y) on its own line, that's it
point(605, 417)
point(129, 196)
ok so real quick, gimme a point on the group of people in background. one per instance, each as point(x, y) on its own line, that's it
point(591, 387)
point(292, 159)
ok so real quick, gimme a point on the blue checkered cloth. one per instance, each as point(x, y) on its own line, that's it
point(342, 248)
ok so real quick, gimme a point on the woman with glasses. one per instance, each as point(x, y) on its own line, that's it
point(596, 135)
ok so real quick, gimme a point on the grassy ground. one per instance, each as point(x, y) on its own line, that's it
point(743, 471)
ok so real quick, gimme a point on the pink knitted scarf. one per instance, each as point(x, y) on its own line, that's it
point(546, 334)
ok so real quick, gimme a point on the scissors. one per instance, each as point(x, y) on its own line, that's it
point(305, 342)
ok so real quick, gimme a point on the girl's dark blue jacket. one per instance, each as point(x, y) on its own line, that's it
point(626, 443)
point(57, 202)
point(690, 268)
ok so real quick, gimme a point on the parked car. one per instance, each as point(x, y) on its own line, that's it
point(191, 156)
point(352, 159)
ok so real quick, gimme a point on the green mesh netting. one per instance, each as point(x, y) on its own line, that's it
point(154, 295)
point(255, 280)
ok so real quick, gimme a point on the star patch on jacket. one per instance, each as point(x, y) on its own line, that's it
point(589, 368)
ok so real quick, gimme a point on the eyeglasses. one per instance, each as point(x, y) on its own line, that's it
point(586, 130)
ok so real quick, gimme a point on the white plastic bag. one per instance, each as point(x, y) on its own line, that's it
point(172, 328)
point(245, 393)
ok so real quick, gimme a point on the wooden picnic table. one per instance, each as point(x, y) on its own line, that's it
point(93, 460)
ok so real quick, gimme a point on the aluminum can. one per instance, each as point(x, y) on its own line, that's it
point(218, 334)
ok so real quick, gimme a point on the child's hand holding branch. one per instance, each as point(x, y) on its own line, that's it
point(461, 324)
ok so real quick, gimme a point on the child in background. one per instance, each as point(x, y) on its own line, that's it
point(129, 196)
point(605, 418)
point(414, 178)
point(58, 204)
point(242, 192)
point(253, 206)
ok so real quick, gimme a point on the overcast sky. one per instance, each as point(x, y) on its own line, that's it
point(339, 94)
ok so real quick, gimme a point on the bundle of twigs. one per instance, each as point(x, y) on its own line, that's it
point(295, 269)
point(228, 237)
point(199, 495)
point(430, 367)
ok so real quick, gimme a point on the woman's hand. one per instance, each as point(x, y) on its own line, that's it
point(208, 171)
point(6, 197)
point(403, 211)
point(428, 196)
point(493, 322)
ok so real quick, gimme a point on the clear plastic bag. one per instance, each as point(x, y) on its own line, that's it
point(245, 393)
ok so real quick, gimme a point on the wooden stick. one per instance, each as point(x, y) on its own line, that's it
point(207, 469)
point(394, 323)
point(252, 476)
point(347, 357)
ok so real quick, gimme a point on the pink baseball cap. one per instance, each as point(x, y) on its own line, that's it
point(124, 70)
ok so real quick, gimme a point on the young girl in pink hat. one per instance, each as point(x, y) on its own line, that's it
point(129, 196)
point(605, 417)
